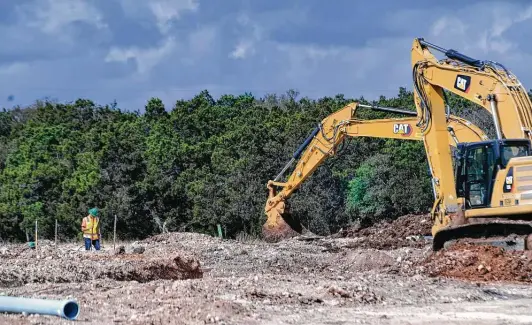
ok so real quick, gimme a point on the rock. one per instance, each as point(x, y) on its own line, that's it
point(138, 249)
point(339, 292)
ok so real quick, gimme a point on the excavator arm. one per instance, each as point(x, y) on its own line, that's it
point(324, 142)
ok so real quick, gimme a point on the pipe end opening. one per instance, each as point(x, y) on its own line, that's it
point(71, 310)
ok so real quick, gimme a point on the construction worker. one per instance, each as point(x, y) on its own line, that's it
point(90, 226)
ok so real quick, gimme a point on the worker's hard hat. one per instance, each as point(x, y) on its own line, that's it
point(94, 212)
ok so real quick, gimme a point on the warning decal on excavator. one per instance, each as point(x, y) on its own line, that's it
point(404, 129)
point(508, 199)
point(463, 83)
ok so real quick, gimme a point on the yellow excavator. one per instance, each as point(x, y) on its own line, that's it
point(483, 191)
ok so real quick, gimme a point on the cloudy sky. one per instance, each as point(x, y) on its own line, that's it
point(131, 50)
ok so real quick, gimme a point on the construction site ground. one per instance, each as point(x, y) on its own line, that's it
point(386, 274)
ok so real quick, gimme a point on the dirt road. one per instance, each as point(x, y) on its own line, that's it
point(322, 281)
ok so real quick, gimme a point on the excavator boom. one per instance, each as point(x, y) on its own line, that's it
point(486, 83)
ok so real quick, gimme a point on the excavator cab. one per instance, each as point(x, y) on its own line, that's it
point(476, 167)
point(494, 187)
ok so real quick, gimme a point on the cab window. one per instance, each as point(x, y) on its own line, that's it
point(511, 151)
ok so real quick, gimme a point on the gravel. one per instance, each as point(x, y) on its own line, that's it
point(216, 281)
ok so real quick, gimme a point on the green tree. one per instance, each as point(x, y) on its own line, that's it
point(204, 161)
point(155, 108)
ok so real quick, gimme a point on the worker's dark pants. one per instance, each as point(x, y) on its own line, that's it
point(88, 244)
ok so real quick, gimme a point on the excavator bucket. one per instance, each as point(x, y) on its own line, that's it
point(280, 224)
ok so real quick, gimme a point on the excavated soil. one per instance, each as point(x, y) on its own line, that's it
point(480, 263)
point(187, 278)
point(405, 231)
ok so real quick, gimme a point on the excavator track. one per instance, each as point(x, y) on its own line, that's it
point(509, 234)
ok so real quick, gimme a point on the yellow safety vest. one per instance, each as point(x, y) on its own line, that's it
point(92, 228)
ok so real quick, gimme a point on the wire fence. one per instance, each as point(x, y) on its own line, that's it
point(33, 238)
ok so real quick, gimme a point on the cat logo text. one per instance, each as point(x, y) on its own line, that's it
point(404, 129)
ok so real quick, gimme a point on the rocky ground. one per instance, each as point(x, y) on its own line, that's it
point(381, 275)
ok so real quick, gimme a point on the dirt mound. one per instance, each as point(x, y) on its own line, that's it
point(65, 266)
point(176, 268)
point(405, 231)
point(179, 236)
point(480, 263)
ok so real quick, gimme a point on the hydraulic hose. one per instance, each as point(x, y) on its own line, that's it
point(298, 152)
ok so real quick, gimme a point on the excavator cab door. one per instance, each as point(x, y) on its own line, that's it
point(475, 170)
point(480, 167)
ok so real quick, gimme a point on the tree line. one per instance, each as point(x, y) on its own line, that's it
point(200, 163)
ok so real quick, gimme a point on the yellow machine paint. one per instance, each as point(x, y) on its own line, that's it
point(486, 190)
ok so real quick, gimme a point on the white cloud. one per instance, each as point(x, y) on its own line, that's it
point(202, 39)
point(482, 36)
point(320, 71)
point(382, 65)
point(448, 24)
point(252, 32)
point(55, 16)
point(164, 11)
point(167, 10)
point(199, 56)
point(146, 58)
point(242, 49)
point(525, 15)
point(14, 69)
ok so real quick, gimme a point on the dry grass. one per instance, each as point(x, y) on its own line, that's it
point(248, 238)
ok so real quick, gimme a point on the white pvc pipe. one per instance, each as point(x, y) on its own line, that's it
point(68, 309)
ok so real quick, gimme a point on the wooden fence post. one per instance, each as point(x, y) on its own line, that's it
point(36, 233)
point(56, 233)
point(114, 235)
